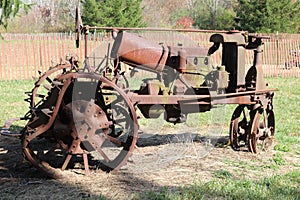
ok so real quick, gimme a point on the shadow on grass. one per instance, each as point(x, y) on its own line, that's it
point(20, 180)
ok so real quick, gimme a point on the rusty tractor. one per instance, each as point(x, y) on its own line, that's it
point(75, 111)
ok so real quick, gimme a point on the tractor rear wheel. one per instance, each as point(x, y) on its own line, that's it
point(84, 115)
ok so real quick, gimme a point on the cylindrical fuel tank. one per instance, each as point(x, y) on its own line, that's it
point(139, 52)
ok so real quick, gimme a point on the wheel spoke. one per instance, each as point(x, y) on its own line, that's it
point(105, 157)
point(239, 127)
point(114, 140)
point(81, 123)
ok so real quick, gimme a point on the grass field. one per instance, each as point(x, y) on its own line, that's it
point(282, 184)
point(12, 98)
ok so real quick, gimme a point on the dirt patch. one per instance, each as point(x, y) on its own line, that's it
point(150, 168)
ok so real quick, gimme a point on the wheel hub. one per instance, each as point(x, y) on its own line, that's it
point(90, 123)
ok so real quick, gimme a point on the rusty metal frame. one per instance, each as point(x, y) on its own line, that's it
point(220, 89)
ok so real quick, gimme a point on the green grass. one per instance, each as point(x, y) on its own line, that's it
point(225, 184)
point(286, 103)
point(12, 99)
point(287, 115)
point(276, 187)
point(281, 186)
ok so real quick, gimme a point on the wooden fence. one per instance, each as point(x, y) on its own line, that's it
point(22, 55)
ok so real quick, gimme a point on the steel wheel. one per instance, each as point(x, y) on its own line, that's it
point(114, 134)
point(38, 138)
point(85, 114)
point(239, 127)
point(262, 131)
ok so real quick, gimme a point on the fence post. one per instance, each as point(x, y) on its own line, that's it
point(1, 70)
point(276, 40)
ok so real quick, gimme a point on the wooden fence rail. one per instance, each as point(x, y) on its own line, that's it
point(22, 55)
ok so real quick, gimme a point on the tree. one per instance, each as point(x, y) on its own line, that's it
point(164, 13)
point(45, 16)
point(269, 15)
point(185, 22)
point(9, 8)
point(209, 14)
point(56, 15)
point(214, 14)
point(115, 13)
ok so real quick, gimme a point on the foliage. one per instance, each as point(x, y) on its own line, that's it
point(9, 9)
point(225, 19)
point(61, 16)
point(265, 16)
point(214, 14)
point(65, 16)
point(55, 16)
point(185, 22)
point(268, 16)
point(114, 13)
point(45, 16)
point(209, 14)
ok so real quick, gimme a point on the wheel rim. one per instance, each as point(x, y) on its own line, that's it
point(239, 127)
point(262, 131)
point(41, 113)
point(120, 137)
point(118, 112)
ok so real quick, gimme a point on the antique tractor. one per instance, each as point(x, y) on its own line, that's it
point(90, 111)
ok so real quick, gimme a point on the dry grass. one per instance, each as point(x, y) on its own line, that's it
point(164, 169)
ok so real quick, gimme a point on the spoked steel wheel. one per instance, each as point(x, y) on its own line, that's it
point(84, 115)
point(262, 131)
point(107, 125)
point(240, 127)
point(38, 137)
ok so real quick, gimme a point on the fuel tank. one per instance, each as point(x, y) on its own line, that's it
point(139, 52)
